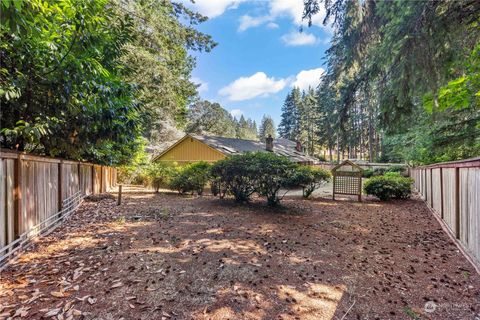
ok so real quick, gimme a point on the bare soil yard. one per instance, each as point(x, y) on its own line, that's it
point(163, 256)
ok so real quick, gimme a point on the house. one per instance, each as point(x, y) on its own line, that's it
point(192, 148)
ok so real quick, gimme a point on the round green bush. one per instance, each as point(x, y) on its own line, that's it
point(191, 178)
point(389, 186)
point(368, 173)
point(308, 179)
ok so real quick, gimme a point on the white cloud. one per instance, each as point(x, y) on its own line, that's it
point(308, 78)
point(297, 38)
point(292, 9)
point(247, 22)
point(258, 84)
point(272, 25)
point(236, 113)
point(212, 8)
point(202, 85)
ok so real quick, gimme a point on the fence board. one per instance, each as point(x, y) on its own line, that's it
point(460, 208)
point(436, 191)
point(39, 189)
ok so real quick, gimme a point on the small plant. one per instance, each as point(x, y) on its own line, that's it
point(191, 178)
point(389, 186)
point(159, 174)
point(308, 179)
point(120, 220)
point(410, 313)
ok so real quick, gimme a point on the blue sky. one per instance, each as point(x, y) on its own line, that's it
point(260, 54)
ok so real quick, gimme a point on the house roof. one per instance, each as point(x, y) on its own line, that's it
point(230, 146)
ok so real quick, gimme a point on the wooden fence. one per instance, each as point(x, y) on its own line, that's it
point(363, 165)
point(34, 190)
point(452, 191)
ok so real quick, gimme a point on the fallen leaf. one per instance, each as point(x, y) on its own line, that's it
point(52, 313)
point(57, 294)
point(116, 285)
point(92, 300)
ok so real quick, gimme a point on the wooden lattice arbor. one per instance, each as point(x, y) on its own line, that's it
point(347, 179)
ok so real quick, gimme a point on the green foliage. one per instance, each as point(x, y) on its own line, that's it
point(160, 174)
point(271, 173)
point(290, 122)
point(402, 80)
point(246, 129)
point(210, 119)
point(388, 186)
point(309, 179)
point(83, 79)
point(267, 128)
point(368, 173)
point(191, 178)
point(236, 175)
point(243, 175)
point(135, 171)
point(158, 62)
point(61, 90)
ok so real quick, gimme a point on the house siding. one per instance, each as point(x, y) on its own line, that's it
point(191, 150)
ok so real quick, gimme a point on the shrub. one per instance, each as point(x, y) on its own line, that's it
point(271, 173)
point(368, 173)
point(396, 168)
point(379, 171)
point(191, 178)
point(389, 186)
point(308, 179)
point(158, 174)
point(235, 175)
point(253, 172)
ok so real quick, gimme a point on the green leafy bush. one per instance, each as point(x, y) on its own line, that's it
point(235, 175)
point(272, 172)
point(253, 172)
point(191, 178)
point(379, 171)
point(308, 179)
point(368, 173)
point(159, 174)
point(391, 185)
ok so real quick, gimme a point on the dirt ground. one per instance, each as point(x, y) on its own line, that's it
point(164, 256)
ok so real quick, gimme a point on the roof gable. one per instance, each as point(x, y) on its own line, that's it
point(231, 146)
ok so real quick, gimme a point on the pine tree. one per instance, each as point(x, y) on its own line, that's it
point(267, 128)
point(289, 125)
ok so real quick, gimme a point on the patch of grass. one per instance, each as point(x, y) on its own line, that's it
point(466, 274)
point(411, 314)
point(164, 214)
point(120, 220)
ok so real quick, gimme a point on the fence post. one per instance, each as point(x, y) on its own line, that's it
point(431, 188)
point(457, 203)
point(441, 192)
point(119, 200)
point(60, 184)
point(101, 179)
point(17, 196)
point(93, 179)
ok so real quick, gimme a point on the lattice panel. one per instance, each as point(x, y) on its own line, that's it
point(347, 185)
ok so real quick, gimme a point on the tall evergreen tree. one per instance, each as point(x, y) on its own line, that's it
point(267, 128)
point(289, 124)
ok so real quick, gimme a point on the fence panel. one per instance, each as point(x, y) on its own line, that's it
point(33, 191)
point(86, 178)
point(452, 190)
